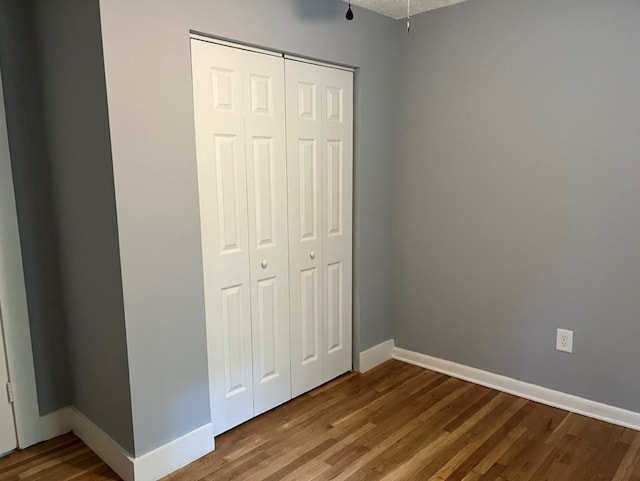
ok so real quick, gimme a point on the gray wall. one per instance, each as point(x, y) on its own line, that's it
point(147, 64)
point(75, 113)
point(30, 164)
point(517, 193)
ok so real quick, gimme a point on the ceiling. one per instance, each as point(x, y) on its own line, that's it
point(398, 8)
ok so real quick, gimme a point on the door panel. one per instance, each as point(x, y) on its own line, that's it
point(337, 236)
point(309, 185)
point(263, 182)
point(224, 85)
point(310, 333)
point(233, 338)
point(267, 329)
point(335, 187)
point(228, 170)
point(335, 105)
point(307, 100)
point(304, 144)
point(335, 308)
point(261, 93)
point(268, 236)
point(320, 166)
point(221, 158)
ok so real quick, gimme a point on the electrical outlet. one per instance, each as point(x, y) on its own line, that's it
point(564, 340)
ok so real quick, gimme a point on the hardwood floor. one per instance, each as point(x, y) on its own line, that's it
point(60, 459)
point(397, 422)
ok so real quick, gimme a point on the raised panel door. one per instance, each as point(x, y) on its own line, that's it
point(304, 169)
point(221, 159)
point(268, 236)
point(337, 219)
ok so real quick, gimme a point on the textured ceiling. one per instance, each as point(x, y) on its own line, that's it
point(398, 8)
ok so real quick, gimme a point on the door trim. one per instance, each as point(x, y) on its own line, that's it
point(225, 43)
point(334, 66)
point(264, 51)
point(14, 307)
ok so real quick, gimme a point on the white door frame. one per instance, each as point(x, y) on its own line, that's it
point(15, 315)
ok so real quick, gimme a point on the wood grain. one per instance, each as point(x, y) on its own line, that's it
point(396, 422)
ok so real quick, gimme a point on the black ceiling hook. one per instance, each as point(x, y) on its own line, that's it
point(349, 13)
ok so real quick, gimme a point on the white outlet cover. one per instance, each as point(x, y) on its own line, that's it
point(564, 340)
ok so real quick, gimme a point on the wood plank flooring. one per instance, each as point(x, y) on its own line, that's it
point(60, 459)
point(396, 422)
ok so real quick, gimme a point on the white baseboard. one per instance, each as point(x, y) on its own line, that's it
point(103, 445)
point(568, 402)
point(148, 467)
point(174, 455)
point(376, 355)
point(56, 423)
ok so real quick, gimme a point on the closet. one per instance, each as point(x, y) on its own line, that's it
point(274, 143)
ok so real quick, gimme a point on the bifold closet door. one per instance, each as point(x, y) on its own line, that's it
point(240, 146)
point(268, 236)
point(320, 171)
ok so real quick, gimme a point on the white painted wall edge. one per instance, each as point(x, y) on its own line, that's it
point(376, 355)
point(533, 392)
point(148, 467)
point(14, 303)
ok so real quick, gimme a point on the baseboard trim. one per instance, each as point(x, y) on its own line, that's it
point(56, 423)
point(376, 355)
point(148, 467)
point(174, 455)
point(103, 445)
point(550, 397)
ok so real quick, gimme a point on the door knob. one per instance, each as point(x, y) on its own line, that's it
point(264, 263)
point(312, 255)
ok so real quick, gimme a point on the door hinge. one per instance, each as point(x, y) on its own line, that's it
point(10, 392)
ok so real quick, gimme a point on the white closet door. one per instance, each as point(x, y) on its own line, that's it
point(304, 151)
point(269, 252)
point(320, 168)
point(220, 148)
point(337, 219)
point(275, 180)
